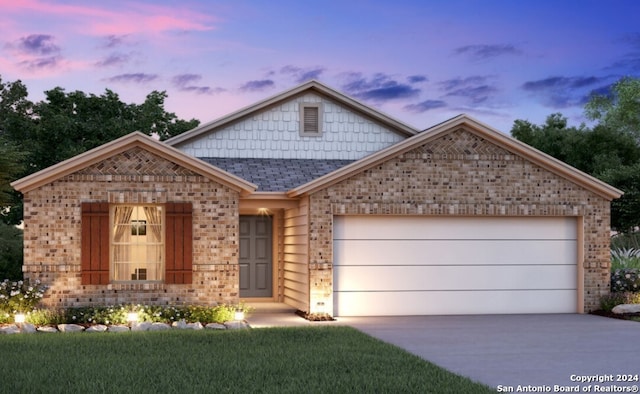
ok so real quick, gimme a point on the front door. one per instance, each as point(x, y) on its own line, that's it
point(255, 256)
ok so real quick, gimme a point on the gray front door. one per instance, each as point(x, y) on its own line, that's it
point(255, 256)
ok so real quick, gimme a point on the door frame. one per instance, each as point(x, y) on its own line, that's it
point(275, 261)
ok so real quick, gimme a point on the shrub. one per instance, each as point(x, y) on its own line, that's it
point(611, 300)
point(20, 296)
point(622, 258)
point(625, 279)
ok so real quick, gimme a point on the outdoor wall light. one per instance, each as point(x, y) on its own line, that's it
point(19, 318)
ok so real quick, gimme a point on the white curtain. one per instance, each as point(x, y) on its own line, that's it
point(154, 239)
point(121, 234)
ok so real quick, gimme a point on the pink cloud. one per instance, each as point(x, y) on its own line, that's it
point(121, 18)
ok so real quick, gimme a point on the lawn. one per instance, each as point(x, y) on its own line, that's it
point(270, 360)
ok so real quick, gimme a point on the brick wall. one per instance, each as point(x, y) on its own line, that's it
point(460, 174)
point(53, 231)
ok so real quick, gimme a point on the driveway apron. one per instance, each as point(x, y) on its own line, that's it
point(533, 353)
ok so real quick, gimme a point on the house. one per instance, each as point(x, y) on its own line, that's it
point(313, 199)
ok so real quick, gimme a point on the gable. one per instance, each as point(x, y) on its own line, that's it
point(275, 133)
point(460, 139)
point(106, 156)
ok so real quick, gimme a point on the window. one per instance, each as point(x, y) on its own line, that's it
point(125, 243)
point(137, 243)
point(310, 119)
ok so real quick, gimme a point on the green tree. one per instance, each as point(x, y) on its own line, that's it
point(619, 110)
point(34, 136)
point(10, 252)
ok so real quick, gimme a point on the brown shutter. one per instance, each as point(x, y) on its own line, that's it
point(95, 243)
point(179, 244)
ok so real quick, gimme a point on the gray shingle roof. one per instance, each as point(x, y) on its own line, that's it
point(276, 175)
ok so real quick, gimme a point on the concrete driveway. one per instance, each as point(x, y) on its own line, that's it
point(507, 351)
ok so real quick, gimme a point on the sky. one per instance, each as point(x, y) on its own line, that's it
point(420, 62)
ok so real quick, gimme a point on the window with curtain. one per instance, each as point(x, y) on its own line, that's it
point(137, 243)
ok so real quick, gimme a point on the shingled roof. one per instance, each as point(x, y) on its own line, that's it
point(276, 175)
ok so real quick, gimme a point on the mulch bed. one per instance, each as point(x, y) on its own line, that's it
point(622, 316)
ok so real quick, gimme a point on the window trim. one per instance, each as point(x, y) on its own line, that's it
point(303, 131)
point(112, 262)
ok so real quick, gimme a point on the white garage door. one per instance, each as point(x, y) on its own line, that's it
point(405, 265)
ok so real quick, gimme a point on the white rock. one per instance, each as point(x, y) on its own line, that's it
point(235, 325)
point(142, 326)
point(181, 324)
point(10, 329)
point(215, 326)
point(195, 326)
point(70, 328)
point(118, 328)
point(97, 328)
point(27, 328)
point(47, 329)
point(159, 327)
point(626, 308)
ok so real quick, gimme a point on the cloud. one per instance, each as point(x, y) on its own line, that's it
point(115, 59)
point(126, 18)
point(562, 92)
point(425, 106)
point(258, 85)
point(417, 78)
point(556, 83)
point(184, 83)
point(482, 52)
point(474, 88)
point(302, 74)
point(379, 88)
point(112, 41)
point(133, 77)
point(40, 63)
point(38, 44)
point(631, 60)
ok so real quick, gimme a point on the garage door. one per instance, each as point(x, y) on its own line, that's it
point(400, 265)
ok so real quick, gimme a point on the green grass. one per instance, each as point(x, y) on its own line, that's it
point(273, 360)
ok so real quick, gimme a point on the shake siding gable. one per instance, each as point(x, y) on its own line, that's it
point(95, 243)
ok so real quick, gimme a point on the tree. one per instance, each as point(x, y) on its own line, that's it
point(10, 252)
point(38, 135)
point(619, 110)
point(609, 151)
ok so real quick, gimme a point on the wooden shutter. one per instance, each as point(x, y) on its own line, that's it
point(95, 243)
point(179, 243)
point(310, 120)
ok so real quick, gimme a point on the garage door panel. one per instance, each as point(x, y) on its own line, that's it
point(454, 302)
point(410, 265)
point(438, 227)
point(404, 278)
point(452, 252)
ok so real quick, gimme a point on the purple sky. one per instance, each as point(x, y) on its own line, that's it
point(419, 61)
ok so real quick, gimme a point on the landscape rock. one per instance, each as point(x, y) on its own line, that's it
point(143, 326)
point(10, 329)
point(97, 328)
point(180, 324)
point(626, 308)
point(118, 328)
point(27, 328)
point(159, 327)
point(195, 326)
point(70, 328)
point(47, 329)
point(215, 326)
point(236, 325)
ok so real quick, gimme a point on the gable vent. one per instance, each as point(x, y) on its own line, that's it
point(310, 119)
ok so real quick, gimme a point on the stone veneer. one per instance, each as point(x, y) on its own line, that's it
point(461, 174)
point(52, 234)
